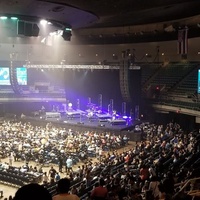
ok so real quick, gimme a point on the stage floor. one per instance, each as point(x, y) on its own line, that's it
point(118, 124)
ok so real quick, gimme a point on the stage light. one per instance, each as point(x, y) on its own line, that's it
point(70, 105)
point(68, 29)
point(14, 18)
point(3, 17)
point(125, 117)
point(67, 34)
point(43, 22)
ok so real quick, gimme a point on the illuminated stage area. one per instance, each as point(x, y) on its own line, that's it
point(95, 113)
point(92, 119)
point(83, 97)
point(117, 127)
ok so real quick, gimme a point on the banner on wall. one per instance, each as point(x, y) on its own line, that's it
point(182, 46)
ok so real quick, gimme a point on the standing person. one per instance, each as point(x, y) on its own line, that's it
point(52, 173)
point(11, 158)
point(57, 177)
point(60, 164)
point(69, 163)
point(45, 178)
point(63, 191)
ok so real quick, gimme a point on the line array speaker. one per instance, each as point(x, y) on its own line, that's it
point(27, 28)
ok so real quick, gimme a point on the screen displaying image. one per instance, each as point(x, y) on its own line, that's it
point(4, 76)
point(22, 76)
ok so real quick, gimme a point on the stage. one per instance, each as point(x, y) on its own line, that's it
point(79, 117)
point(83, 123)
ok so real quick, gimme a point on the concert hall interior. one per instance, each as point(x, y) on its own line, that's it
point(100, 92)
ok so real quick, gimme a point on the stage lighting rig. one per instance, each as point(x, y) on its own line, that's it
point(67, 33)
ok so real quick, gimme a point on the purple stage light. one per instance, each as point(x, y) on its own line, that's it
point(125, 117)
point(70, 105)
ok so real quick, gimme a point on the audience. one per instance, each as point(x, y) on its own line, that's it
point(155, 164)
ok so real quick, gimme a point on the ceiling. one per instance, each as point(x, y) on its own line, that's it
point(113, 21)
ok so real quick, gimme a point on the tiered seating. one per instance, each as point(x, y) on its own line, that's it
point(148, 72)
point(188, 86)
point(185, 161)
point(171, 74)
point(181, 104)
point(14, 177)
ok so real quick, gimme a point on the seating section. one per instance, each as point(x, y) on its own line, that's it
point(177, 86)
point(189, 85)
point(163, 150)
point(148, 71)
point(171, 74)
point(167, 154)
point(12, 176)
point(181, 104)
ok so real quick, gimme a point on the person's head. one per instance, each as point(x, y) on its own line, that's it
point(63, 185)
point(32, 191)
point(101, 182)
point(96, 184)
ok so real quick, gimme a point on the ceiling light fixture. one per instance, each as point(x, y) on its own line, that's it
point(14, 18)
point(43, 22)
point(3, 17)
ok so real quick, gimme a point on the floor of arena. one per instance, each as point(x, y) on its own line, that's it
point(8, 190)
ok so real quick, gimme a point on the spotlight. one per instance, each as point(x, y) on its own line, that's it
point(14, 18)
point(67, 33)
point(70, 104)
point(43, 22)
point(3, 17)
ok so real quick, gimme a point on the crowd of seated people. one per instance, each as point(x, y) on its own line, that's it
point(49, 144)
point(167, 156)
point(153, 167)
